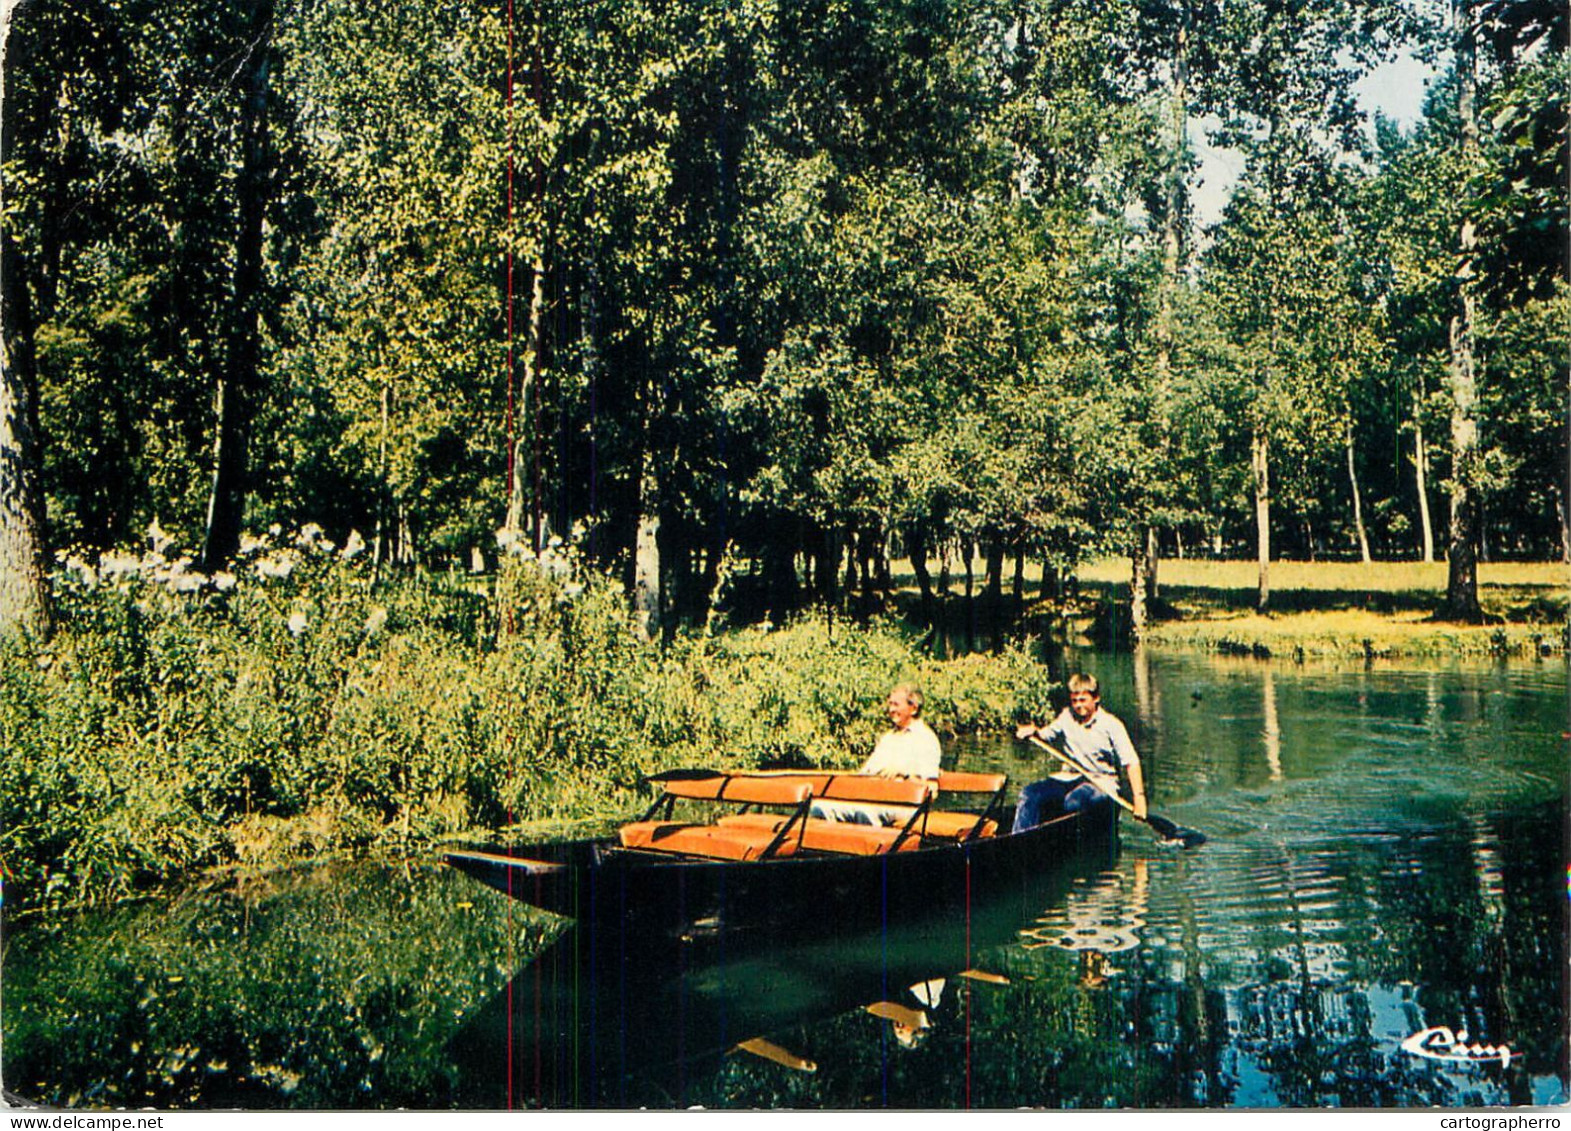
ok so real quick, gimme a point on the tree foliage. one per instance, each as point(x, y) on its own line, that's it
point(812, 285)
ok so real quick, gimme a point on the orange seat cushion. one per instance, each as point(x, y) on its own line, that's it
point(727, 843)
point(873, 788)
point(962, 781)
point(741, 788)
point(829, 836)
point(954, 826)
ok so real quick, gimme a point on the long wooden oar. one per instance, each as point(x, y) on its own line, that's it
point(1164, 828)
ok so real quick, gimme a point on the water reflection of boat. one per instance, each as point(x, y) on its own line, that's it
point(618, 1023)
point(1102, 914)
point(623, 896)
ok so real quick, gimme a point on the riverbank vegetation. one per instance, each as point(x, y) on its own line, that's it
point(294, 708)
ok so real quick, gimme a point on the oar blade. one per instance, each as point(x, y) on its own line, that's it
point(1170, 830)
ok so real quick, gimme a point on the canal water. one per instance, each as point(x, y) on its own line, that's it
point(1387, 858)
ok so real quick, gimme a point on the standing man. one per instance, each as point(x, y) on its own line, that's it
point(909, 749)
point(1094, 738)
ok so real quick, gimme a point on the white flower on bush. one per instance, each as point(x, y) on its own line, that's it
point(251, 544)
point(279, 565)
point(511, 541)
point(296, 622)
point(176, 575)
point(354, 545)
point(184, 582)
point(374, 622)
point(85, 572)
point(115, 563)
point(224, 580)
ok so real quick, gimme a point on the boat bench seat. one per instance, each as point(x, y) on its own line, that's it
point(822, 835)
point(721, 842)
point(945, 824)
point(873, 789)
point(693, 838)
point(970, 781)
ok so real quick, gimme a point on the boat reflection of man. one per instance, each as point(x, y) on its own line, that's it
point(909, 749)
point(1094, 738)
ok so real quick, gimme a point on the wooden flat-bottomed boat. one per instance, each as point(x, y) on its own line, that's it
point(774, 868)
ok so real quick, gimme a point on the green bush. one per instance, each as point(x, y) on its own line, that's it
point(301, 706)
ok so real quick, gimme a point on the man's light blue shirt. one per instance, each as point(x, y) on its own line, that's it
point(1101, 744)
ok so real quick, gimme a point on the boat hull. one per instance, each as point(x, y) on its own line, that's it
point(612, 893)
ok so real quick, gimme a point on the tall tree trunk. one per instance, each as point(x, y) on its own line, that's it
point(1563, 490)
point(1462, 539)
point(1564, 513)
point(523, 497)
point(24, 585)
point(1052, 580)
point(784, 542)
point(1019, 586)
point(1153, 560)
point(995, 579)
point(381, 539)
point(849, 587)
point(1138, 567)
point(1167, 291)
point(534, 387)
point(916, 548)
point(239, 384)
point(968, 554)
point(1358, 502)
point(826, 572)
point(646, 551)
point(593, 374)
point(1260, 463)
point(1421, 476)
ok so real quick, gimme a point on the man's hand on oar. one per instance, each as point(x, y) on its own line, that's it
point(1166, 829)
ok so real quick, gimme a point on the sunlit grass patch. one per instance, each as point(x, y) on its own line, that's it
point(1352, 632)
point(1517, 592)
point(1350, 608)
point(1350, 577)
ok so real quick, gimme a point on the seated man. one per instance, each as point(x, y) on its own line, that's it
point(1092, 737)
point(910, 749)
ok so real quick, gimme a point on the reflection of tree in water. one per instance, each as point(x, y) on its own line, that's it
point(1351, 947)
point(1284, 975)
point(1371, 942)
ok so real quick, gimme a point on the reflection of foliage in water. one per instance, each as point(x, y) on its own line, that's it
point(1046, 1039)
point(334, 987)
point(1301, 1005)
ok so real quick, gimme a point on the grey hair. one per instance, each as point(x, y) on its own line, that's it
point(912, 695)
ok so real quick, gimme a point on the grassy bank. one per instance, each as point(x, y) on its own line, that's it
point(1348, 608)
point(299, 707)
